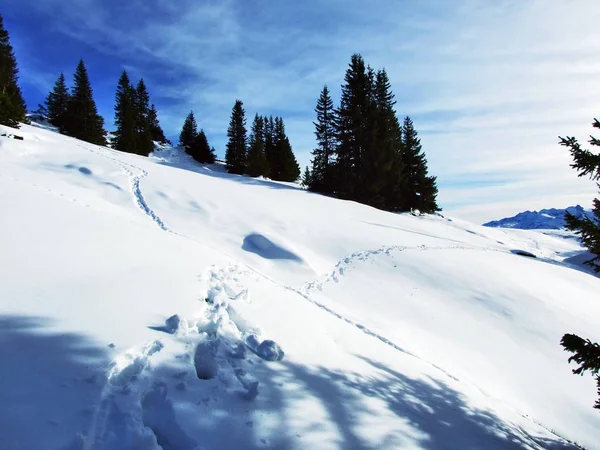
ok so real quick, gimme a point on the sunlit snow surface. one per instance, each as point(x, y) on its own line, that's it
point(153, 303)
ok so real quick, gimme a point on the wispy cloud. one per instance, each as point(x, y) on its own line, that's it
point(490, 85)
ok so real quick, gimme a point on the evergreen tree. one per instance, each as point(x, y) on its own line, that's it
point(57, 103)
point(321, 179)
point(386, 170)
point(353, 129)
point(282, 162)
point(12, 104)
point(188, 132)
point(142, 109)
point(83, 121)
point(125, 136)
point(587, 164)
point(257, 160)
point(269, 137)
point(587, 354)
point(307, 178)
point(201, 151)
point(155, 129)
point(236, 153)
point(422, 189)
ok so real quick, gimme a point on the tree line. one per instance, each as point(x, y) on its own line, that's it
point(363, 152)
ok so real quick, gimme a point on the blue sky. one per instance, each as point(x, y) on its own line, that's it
point(489, 84)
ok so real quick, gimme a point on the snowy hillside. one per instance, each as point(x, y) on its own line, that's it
point(545, 219)
point(153, 303)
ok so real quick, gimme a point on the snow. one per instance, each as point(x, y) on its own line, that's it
point(151, 303)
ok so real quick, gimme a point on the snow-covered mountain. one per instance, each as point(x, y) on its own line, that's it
point(545, 219)
point(151, 303)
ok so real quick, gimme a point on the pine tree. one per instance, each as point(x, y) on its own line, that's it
point(307, 178)
point(12, 104)
point(125, 136)
point(353, 129)
point(283, 164)
point(236, 153)
point(269, 137)
point(587, 354)
point(321, 179)
point(421, 189)
point(257, 160)
point(57, 103)
point(189, 132)
point(587, 164)
point(155, 129)
point(386, 175)
point(142, 108)
point(83, 121)
point(201, 151)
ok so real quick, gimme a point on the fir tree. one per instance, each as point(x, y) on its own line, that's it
point(142, 109)
point(587, 164)
point(269, 138)
point(189, 132)
point(421, 189)
point(155, 129)
point(353, 129)
point(321, 179)
point(585, 353)
point(236, 153)
point(257, 160)
point(201, 151)
point(284, 166)
point(386, 170)
point(307, 178)
point(125, 136)
point(57, 103)
point(83, 121)
point(12, 104)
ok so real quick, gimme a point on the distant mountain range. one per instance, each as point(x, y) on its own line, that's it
point(545, 219)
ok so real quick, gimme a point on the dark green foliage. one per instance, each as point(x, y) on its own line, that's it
point(384, 168)
point(135, 119)
point(306, 177)
point(201, 151)
point(83, 121)
point(282, 162)
point(155, 129)
point(57, 103)
point(585, 353)
point(363, 152)
point(189, 131)
point(587, 164)
point(353, 130)
point(12, 104)
point(125, 136)
point(325, 131)
point(142, 110)
point(422, 189)
point(236, 152)
point(257, 160)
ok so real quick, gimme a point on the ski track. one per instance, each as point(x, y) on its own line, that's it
point(338, 271)
point(135, 188)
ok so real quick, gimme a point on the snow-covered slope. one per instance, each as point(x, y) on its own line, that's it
point(150, 302)
point(545, 219)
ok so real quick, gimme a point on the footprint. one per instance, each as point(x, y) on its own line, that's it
point(132, 363)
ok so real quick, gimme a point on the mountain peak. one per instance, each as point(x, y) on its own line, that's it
point(545, 219)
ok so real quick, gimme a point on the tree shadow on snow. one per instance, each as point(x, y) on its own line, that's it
point(265, 248)
point(439, 417)
point(49, 383)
